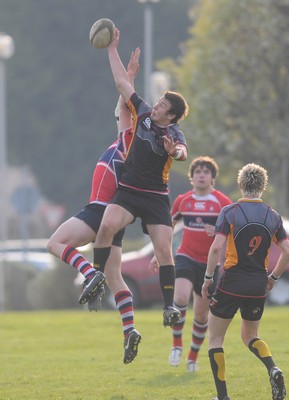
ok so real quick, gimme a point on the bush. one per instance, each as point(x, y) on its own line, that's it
point(27, 288)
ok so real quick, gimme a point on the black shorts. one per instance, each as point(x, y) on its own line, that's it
point(194, 272)
point(92, 215)
point(151, 208)
point(225, 306)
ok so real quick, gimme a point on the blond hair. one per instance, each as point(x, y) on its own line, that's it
point(252, 180)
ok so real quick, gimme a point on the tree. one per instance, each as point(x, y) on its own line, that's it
point(234, 69)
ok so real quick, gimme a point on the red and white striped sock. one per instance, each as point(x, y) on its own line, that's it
point(71, 256)
point(177, 330)
point(123, 301)
point(198, 335)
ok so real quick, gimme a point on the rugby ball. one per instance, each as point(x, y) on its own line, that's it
point(101, 33)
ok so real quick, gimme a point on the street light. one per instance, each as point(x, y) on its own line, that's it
point(6, 52)
point(148, 47)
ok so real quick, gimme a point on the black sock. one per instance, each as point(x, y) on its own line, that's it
point(217, 361)
point(100, 256)
point(262, 351)
point(167, 283)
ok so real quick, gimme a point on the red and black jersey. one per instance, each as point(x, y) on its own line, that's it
point(108, 169)
point(195, 212)
point(147, 164)
point(250, 227)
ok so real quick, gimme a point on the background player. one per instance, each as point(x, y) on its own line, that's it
point(249, 227)
point(198, 209)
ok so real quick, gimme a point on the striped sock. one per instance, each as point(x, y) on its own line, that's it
point(198, 335)
point(76, 260)
point(123, 301)
point(177, 330)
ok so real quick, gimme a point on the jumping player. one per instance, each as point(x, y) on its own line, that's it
point(248, 227)
point(83, 227)
point(143, 192)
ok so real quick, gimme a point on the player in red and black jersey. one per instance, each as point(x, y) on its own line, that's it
point(248, 227)
point(82, 228)
point(198, 209)
point(143, 192)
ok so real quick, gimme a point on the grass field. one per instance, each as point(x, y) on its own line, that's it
point(78, 356)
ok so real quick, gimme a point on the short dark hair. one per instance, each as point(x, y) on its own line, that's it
point(179, 106)
point(202, 161)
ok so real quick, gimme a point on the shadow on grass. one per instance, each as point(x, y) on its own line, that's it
point(116, 397)
point(167, 380)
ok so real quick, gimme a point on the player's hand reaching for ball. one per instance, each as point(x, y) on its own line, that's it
point(115, 40)
point(133, 65)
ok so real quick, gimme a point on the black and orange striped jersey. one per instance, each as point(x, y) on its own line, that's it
point(147, 164)
point(250, 226)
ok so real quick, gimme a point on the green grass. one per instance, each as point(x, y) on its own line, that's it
point(78, 356)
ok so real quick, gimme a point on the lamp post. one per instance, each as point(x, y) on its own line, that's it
point(6, 52)
point(148, 47)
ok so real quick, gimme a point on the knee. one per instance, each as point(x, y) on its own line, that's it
point(107, 229)
point(164, 255)
point(201, 317)
point(180, 299)
point(49, 245)
point(181, 296)
point(52, 245)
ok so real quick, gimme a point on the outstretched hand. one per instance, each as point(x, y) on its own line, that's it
point(133, 64)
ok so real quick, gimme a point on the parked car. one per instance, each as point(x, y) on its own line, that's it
point(144, 283)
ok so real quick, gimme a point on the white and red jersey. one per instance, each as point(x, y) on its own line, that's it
point(107, 171)
point(196, 211)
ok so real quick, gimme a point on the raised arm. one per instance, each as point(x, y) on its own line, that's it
point(124, 113)
point(119, 72)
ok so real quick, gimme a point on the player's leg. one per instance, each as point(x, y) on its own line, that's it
point(183, 290)
point(124, 303)
point(217, 330)
point(199, 329)
point(251, 314)
point(71, 234)
point(79, 230)
point(201, 312)
point(249, 334)
point(223, 307)
point(161, 237)
point(114, 219)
